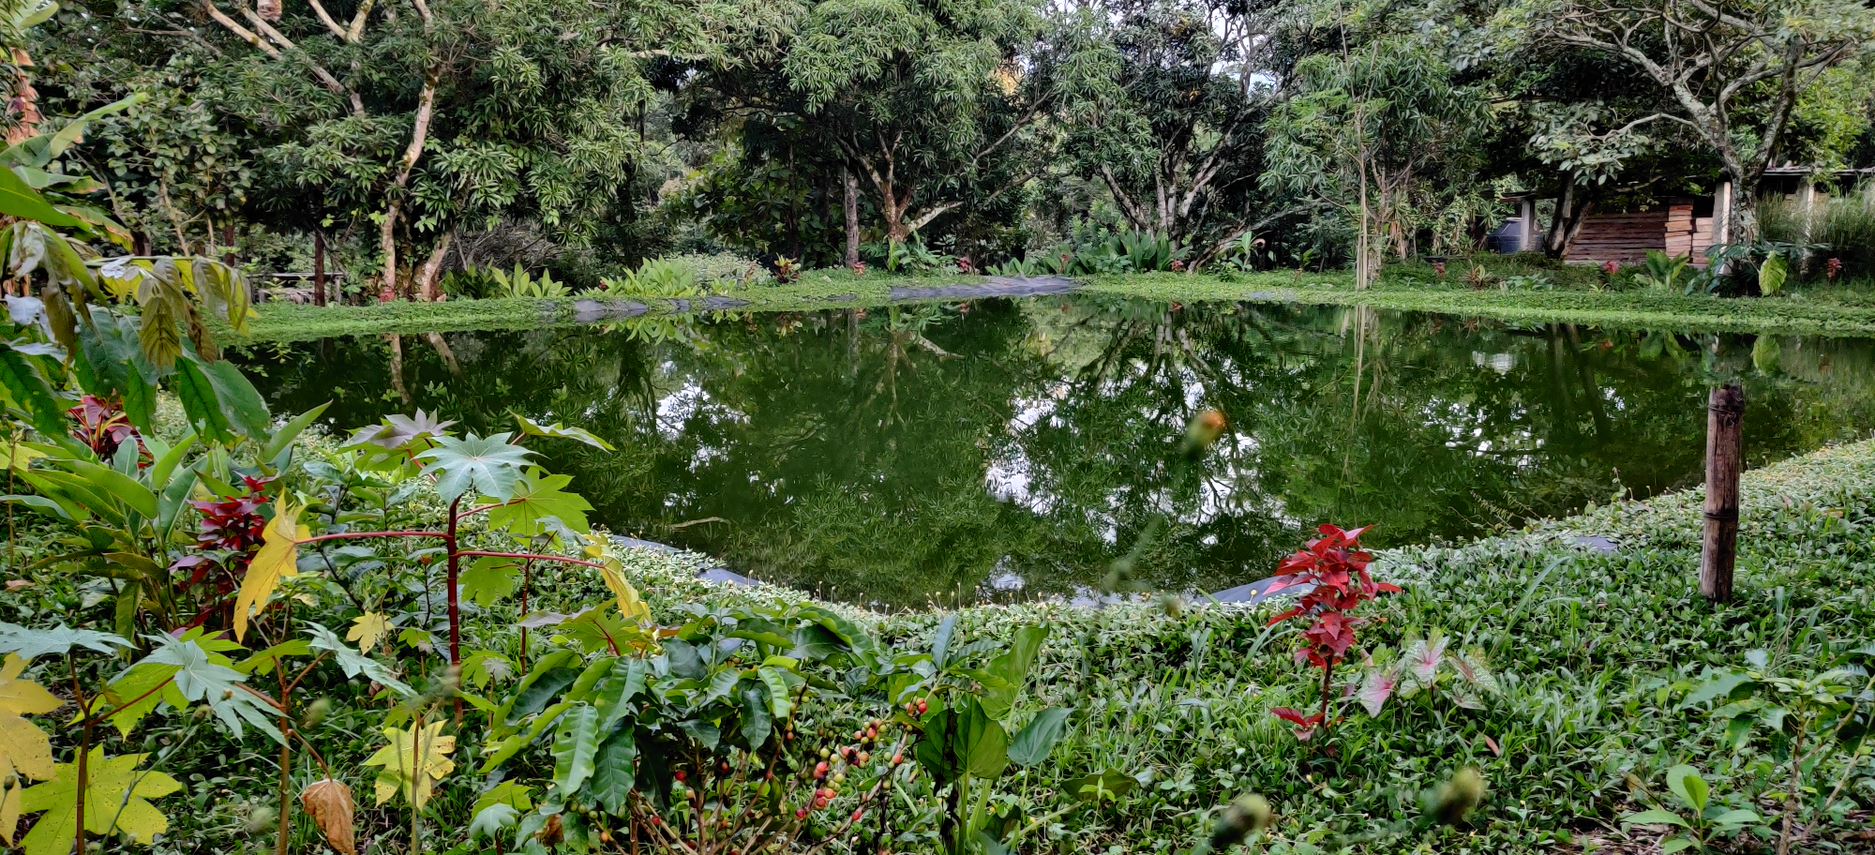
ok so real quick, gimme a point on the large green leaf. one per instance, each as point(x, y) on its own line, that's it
point(575, 745)
point(240, 402)
point(489, 465)
point(110, 363)
point(29, 390)
point(201, 403)
point(612, 777)
point(200, 676)
point(980, 742)
point(1038, 740)
point(19, 200)
point(539, 496)
point(1772, 273)
point(32, 643)
point(1685, 782)
point(279, 441)
point(529, 427)
point(353, 663)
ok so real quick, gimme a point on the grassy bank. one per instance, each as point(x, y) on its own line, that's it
point(1802, 313)
point(1593, 653)
point(1816, 312)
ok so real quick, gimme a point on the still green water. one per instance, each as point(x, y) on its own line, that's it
point(1009, 449)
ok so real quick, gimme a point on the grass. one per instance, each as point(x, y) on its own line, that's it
point(1841, 311)
point(1592, 651)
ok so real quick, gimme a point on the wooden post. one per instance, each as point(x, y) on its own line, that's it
point(1725, 414)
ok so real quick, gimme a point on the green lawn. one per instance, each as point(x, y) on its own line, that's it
point(1818, 312)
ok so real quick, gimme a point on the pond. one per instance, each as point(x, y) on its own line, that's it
point(1005, 449)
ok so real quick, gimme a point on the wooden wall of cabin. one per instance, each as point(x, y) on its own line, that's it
point(1626, 238)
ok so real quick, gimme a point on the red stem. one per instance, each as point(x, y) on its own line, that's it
point(532, 557)
point(360, 535)
point(455, 567)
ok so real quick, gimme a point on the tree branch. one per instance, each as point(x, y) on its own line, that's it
point(325, 18)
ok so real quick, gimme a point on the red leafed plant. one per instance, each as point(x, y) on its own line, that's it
point(1335, 570)
point(102, 426)
point(231, 533)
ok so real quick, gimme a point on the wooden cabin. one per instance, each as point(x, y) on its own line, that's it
point(1674, 228)
point(1680, 226)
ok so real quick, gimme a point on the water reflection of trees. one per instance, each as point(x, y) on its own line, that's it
point(918, 453)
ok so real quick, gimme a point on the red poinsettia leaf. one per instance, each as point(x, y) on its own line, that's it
point(1385, 588)
point(1295, 612)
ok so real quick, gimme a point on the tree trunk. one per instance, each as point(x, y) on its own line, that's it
point(419, 136)
point(1742, 226)
point(387, 249)
point(429, 277)
point(1571, 212)
point(851, 183)
point(319, 267)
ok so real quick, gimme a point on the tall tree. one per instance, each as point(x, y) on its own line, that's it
point(925, 98)
point(1731, 74)
point(1384, 133)
point(1170, 119)
point(420, 119)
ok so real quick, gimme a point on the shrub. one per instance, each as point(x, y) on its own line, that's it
point(1846, 226)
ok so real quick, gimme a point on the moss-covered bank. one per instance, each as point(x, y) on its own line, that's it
point(1592, 650)
point(1802, 313)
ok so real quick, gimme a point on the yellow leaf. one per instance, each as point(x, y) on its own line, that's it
point(412, 762)
point(10, 810)
point(24, 748)
point(117, 796)
point(277, 559)
point(629, 603)
point(368, 629)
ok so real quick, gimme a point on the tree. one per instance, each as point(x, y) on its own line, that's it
point(926, 99)
point(418, 121)
point(1730, 74)
point(1170, 115)
point(1381, 132)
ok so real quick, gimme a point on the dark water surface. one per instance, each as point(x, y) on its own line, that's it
point(1006, 449)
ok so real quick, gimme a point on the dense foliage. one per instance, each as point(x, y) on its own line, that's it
point(395, 144)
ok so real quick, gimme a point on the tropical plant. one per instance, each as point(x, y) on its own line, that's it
point(910, 256)
point(713, 736)
point(658, 279)
point(1800, 718)
point(519, 284)
point(960, 712)
point(475, 476)
point(1703, 823)
point(1662, 272)
point(1429, 665)
point(1333, 573)
point(1147, 252)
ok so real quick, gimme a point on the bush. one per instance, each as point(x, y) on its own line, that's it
point(723, 269)
point(1846, 225)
